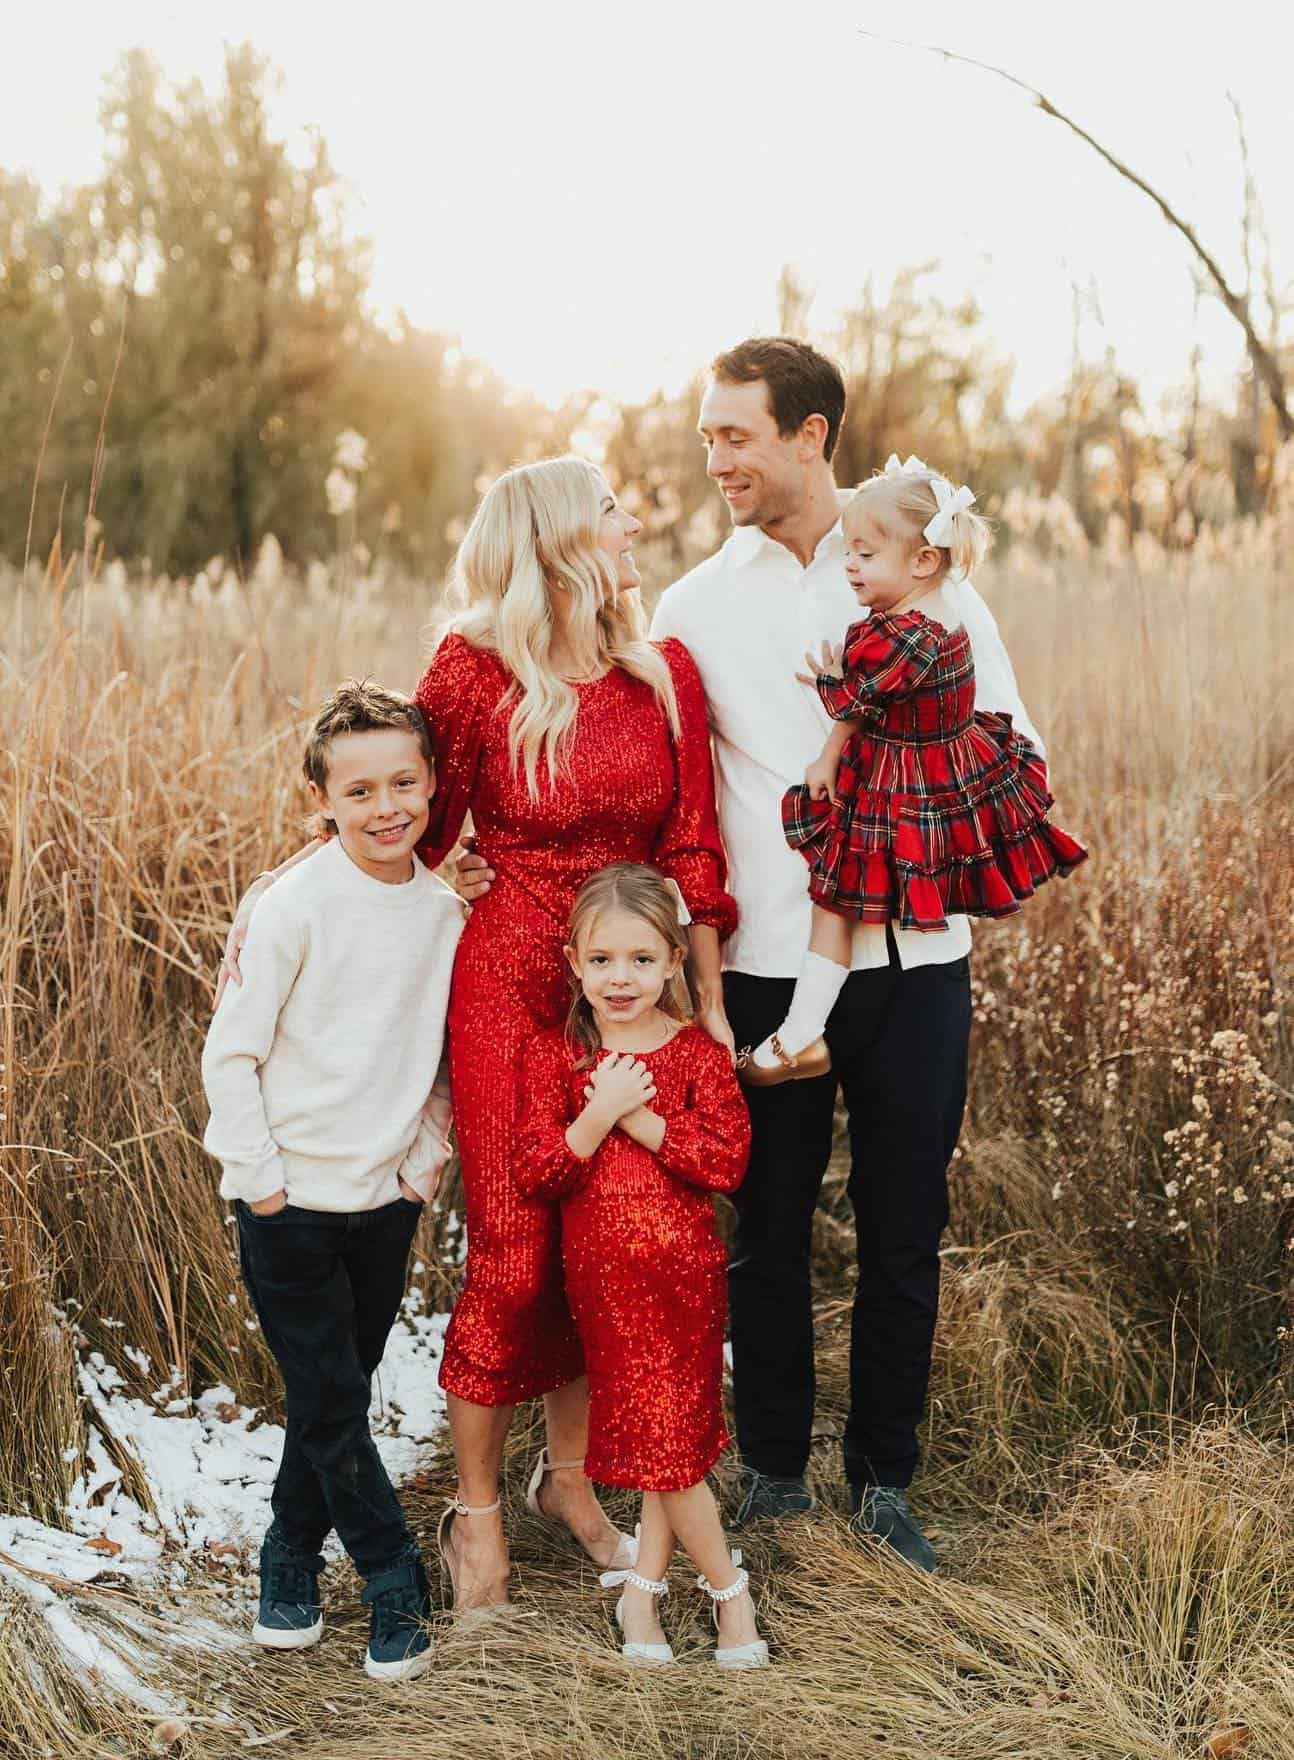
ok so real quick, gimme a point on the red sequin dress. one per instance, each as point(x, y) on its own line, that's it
point(630, 793)
point(646, 1272)
point(939, 808)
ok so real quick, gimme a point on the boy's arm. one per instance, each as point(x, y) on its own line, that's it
point(430, 1149)
point(238, 1042)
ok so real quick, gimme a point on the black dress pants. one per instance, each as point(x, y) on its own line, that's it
point(327, 1288)
point(898, 1044)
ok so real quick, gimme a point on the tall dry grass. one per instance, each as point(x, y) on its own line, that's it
point(1117, 1265)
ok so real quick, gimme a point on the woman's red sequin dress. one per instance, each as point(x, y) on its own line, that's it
point(646, 1272)
point(939, 808)
point(630, 793)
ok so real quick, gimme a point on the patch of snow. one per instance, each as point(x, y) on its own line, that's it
point(209, 1467)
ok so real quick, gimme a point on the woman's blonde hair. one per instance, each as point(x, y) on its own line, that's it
point(535, 533)
point(902, 504)
point(641, 892)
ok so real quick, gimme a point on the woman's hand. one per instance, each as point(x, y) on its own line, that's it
point(407, 1192)
point(229, 968)
point(827, 662)
point(270, 1206)
point(620, 1084)
point(713, 1020)
point(471, 875)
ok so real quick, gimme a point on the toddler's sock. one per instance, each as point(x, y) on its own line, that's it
point(816, 990)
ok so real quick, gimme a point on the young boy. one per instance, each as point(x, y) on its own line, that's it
point(329, 1115)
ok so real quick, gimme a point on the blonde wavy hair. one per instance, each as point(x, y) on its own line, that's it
point(640, 892)
point(535, 534)
point(902, 504)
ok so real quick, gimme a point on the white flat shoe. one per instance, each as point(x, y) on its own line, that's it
point(753, 1655)
point(633, 1652)
point(626, 1552)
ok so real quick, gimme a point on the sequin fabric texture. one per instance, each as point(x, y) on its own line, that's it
point(631, 792)
point(646, 1272)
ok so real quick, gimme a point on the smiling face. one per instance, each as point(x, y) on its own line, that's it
point(885, 567)
point(623, 965)
point(617, 530)
point(760, 473)
point(377, 794)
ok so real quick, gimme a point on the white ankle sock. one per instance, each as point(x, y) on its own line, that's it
point(816, 990)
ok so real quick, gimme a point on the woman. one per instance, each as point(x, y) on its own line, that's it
point(572, 742)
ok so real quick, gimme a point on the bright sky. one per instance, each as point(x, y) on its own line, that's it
point(591, 193)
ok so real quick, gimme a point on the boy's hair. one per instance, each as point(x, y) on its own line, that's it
point(902, 504)
point(801, 382)
point(640, 891)
point(361, 706)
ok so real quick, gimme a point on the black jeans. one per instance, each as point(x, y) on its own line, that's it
point(898, 1045)
point(327, 1289)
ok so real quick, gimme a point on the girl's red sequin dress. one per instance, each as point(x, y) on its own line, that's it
point(646, 1272)
point(630, 793)
point(939, 808)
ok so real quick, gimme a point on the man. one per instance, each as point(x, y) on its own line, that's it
point(769, 419)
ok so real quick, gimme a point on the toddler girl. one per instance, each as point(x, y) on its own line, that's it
point(633, 1117)
point(918, 806)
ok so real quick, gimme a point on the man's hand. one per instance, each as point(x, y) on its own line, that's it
point(827, 662)
point(229, 968)
point(470, 874)
point(820, 776)
point(269, 1206)
point(407, 1192)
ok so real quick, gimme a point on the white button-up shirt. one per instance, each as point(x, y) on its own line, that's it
point(748, 614)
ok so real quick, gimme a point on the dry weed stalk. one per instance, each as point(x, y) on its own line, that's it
point(150, 741)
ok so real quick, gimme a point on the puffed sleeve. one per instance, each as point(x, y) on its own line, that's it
point(543, 1166)
point(885, 660)
point(688, 849)
point(707, 1142)
point(458, 693)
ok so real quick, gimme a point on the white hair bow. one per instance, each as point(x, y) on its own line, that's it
point(939, 530)
point(684, 914)
point(911, 466)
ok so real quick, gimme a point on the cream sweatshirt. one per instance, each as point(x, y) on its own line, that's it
point(325, 1069)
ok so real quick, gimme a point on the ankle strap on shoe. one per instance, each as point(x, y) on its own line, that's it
point(733, 1590)
point(617, 1579)
point(551, 1466)
point(466, 1509)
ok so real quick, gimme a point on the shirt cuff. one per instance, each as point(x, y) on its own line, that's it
point(426, 1160)
point(262, 1179)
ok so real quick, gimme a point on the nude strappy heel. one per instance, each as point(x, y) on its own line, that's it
point(452, 1510)
point(626, 1552)
point(736, 1655)
point(633, 1652)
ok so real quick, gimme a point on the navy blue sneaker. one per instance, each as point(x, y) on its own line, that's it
point(399, 1647)
point(882, 1512)
point(290, 1616)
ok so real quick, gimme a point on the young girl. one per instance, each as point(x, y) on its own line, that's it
point(632, 1118)
point(918, 805)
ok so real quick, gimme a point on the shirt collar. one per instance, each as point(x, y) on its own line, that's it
point(748, 542)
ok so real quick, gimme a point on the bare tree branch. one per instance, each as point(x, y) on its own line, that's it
point(1265, 363)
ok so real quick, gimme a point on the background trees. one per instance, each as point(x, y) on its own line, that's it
point(209, 279)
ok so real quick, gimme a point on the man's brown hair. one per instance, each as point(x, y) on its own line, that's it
point(361, 706)
point(801, 382)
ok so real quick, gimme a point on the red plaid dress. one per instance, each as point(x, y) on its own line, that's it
point(939, 809)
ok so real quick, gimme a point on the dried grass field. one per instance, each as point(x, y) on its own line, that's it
point(1109, 1472)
